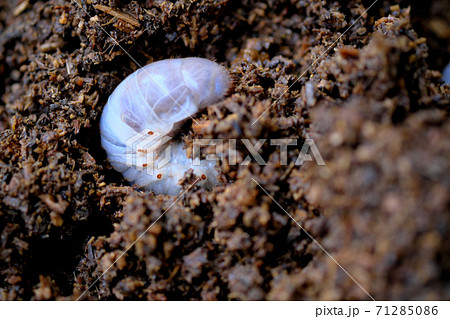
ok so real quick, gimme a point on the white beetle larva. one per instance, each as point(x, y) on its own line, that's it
point(146, 107)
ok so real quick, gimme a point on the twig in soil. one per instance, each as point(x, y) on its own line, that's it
point(117, 14)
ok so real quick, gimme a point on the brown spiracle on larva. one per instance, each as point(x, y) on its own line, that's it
point(146, 107)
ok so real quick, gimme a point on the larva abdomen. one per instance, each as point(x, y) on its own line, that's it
point(143, 110)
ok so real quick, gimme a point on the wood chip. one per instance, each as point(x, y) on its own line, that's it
point(20, 8)
point(122, 16)
point(199, 127)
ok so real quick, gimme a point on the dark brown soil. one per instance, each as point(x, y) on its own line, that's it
point(373, 104)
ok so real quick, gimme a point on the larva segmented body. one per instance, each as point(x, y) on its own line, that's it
point(145, 108)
